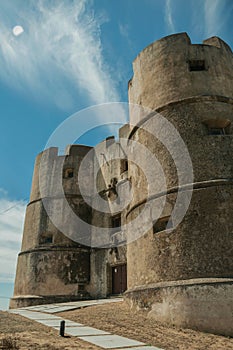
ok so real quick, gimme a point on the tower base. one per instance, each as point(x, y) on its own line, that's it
point(201, 304)
point(32, 300)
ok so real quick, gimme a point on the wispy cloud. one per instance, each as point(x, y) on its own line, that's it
point(168, 16)
point(58, 54)
point(11, 227)
point(124, 30)
point(214, 17)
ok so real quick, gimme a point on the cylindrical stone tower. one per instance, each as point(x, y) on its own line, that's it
point(185, 276)
point(51, 266)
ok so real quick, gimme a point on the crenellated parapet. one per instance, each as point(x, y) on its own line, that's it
point(173, 69)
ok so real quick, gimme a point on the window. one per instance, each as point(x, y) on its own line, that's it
point(162, 224)
point(68, 173)
point(116, 222)
point(46, 239)
point(112, 193)
point(217, 126)
point(124, 165)
point(81, 287)
point(196, 65)
point(216, 131)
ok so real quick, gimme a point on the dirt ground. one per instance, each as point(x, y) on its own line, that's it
point(115, 318)
point(34, 336)
point(118, 319)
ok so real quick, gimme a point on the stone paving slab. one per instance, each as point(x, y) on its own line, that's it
point(57, 309)
point(14, 311)
point(37, 315)
point(111, 341)
point(60, 307)
point(84, 331)
point(56, 323)
point(142, 348)
point(41, 307)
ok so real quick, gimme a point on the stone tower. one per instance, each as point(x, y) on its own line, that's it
point(51, 266)
point(184, 276)
point(56, 262)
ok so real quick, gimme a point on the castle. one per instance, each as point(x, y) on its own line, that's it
point(181, 271)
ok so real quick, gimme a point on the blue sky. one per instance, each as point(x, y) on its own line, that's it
point(74, 54)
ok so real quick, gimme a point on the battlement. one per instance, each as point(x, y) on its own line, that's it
point(217, 42)
point(180, 70)
point(50, 164)
point(71, 150)
point(77, 150)
point(181, 40)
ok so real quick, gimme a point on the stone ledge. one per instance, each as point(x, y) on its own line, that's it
point(189, 282)
point(187, 100)
point(200, 304)
point(32, 300)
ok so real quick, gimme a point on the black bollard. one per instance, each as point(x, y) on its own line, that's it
point(62, 329)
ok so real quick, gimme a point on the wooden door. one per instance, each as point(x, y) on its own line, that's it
point(119, 279)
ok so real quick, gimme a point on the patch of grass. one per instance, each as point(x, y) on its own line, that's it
point(9, 343)
point(50, 347)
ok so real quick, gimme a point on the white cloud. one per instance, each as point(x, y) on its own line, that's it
point(214, 17)
point(168, 16)
point(59, 54)
point(11, 227)
point(124, 30)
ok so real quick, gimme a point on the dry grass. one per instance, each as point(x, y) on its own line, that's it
point(30, 335)
point(119, 319)
point(116, 318)
point(8, 343)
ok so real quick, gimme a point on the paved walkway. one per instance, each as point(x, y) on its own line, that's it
point(44, 314)
point(60, 307)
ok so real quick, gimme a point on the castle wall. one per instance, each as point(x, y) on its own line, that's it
point(182, 274)
point(108, 176)
point(53, 265)
point(200, 247)
point(197, 304)
point(191, 264)
point(210, 154)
